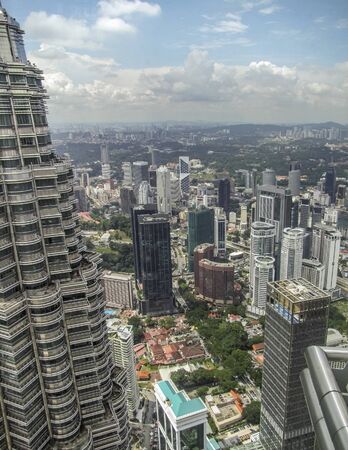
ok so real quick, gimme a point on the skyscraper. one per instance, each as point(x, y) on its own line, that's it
point(220, 232)
point(304, 213)
point(296, 317)
point(273, 205)
point(155, 265)
point(127, 173)
point(140, 173)
point(263, 273)
point(135, 214)
point(144, 193)
point(295, 178)
point(224, 193)
point(326, 248)
point(291, 253)
point(164, 204)
point(313, 271)
point(184, 174)
point(269, 177)
point(200, 230)
point(330, 182)
point(58, 381)
point(127, 199)
point(262, 239)
point(122, 341)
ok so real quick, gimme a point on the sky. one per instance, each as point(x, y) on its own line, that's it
point(262, 61)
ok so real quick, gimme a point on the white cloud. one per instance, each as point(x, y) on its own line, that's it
point(114, 25)
point(117, 8)
point(113, 17)
point(231, 24)
point(200, 89)
point(270, 10)
point(58, 30)
point(342, 24)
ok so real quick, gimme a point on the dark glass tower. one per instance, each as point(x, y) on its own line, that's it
point(59, 386)
point(296, 318)
point(135, 214)
point(224, 193)
point(155, 264)
point(330, 182)
point(200, 231)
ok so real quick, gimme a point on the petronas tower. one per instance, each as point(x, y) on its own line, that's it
point(58, 386)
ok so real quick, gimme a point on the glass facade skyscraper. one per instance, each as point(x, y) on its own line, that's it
point(59, 386)
point(296, 318)
point(200, 231)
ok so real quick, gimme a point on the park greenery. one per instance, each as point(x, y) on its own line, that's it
point(227, 343)
point(253, 412)
point(338, 317)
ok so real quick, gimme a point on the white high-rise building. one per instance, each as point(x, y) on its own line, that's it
point(243, 217)
point(140, 171)
point(220, 232)
point(184, 173)
point(174, 188)
point(164, 204)
point(262, 239)
point(144, 193)
point(313, 271)
point(122, 342)
point(291, 254)
point(294, 180)
point(269, 177)
point(127, 174)
point(106, 171)
point(326, 248)
point(262, 274)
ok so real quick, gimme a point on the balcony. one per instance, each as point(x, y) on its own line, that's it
point(31, 258)
point(28, 237)
point(24, 218)
point(8, 154)
point(34, 277)
point(52, 230)
point(30, 151)
point(24, 197)
point(47, 193)
point(56, 249)
point(49, 212)
point(18, 175)
point(7, 284)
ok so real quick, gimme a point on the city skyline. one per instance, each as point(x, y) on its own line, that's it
point(231, 61)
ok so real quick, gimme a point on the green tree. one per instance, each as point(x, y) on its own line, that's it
point(253, 412)
point(167, 322)
point(202, 391)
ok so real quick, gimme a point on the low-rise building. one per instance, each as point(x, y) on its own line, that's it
point(118, 290)
point(225, 409)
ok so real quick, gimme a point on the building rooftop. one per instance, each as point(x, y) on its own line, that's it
point(118, 275)
point(124, 331)
point(296, 291)
point(179, 401)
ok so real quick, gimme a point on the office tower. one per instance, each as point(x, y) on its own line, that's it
point(243, 217)
point(295, 208)
point(122, 341)
point(269, 177)
point(118, 290)
point(164, 203)
point(304, 213)
point(220, 232)
point(330, 182)
point(216, 281)
point(106, 171)
point(253, 181)
point(136, 212)
point(127, 173)
point(331, 216)
point(313, 271)
point(295, 178)
point(262, 243)
point(174, 188)
point(263, 273)
point(127, 199)
point(81, 197)
point(144, 193)
point(200, 231)
point(155, 265)
point(224, 194)
point(104, 154)
point(291, 253)
point(307, 244)
point(232, 218)
point(58, 387)
point(273, 205)
point(326, 248)
point(317, 215)
point(341, 195)
point(296, 318)
point(155, 157)
point(85, 179)
point(140, 173)
point(182, 422)
point(184, 175)
point(153, 176)
point(202, 251)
